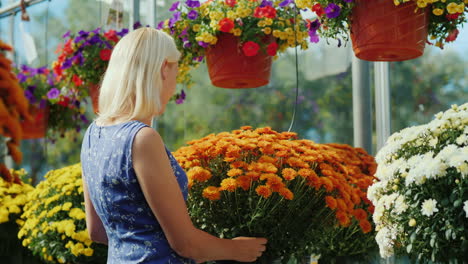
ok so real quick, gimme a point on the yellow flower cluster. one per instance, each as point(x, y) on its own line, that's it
point(53, 223)
point(207, 37)
point(13, 196)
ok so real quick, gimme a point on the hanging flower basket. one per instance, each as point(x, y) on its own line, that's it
point(229, 67)
point(381, 31)
point(94, 94)
point(37, 127)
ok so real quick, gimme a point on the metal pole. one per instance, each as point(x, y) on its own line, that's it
point(12, 55)
point(362, 107)
point(382, 102)
point(14, 7)
point(152, 17)
point(135, 14)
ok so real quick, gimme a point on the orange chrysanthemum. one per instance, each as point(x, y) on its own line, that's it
point(341, 204)
point(297, 162)
point(253, 175)
point(229, 184)
point(234, 172)
point(286, 193)
point(266, 159)
point(327, 183)
point(331, 202)
point(305, 172)
point(263, 191)
point(343, 218)
point(365, 226)
point(360, 214)
point(289, 174)
point(244, 182)
point(199, 174)
point(212, 193)
point(275, 183)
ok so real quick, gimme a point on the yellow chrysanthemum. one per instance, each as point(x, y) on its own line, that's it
point(229, 184)
point(438, 11)
point(212, 193)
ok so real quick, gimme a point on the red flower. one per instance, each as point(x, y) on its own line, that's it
point(111, 35)
point(318, 9)
point(226, 25)
point(76, 80)
point(105, 54)
point(250, 48)
point(452, 36)
point(230, 3)
point(452, 16)
point(267, 11)
point(67, 48)
point(64, 101)
point(272, 48)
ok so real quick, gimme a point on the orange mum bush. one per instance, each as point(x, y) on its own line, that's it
point(13, 108)
point(259, 182)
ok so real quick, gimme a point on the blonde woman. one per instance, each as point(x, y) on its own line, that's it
point(134, 189)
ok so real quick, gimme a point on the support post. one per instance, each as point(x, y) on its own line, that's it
point(382, 102)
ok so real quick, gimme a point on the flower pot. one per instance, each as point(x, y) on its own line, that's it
point(37, 127)
point(381, 31)
point(94, 94)
point(230, 68)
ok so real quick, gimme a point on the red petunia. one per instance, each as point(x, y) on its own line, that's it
point(64, 101)
point(272, 48)
point(230, 3)
point(105, 54)
point(76, 80)
point(250, 48)
point(318, 9)
point(226, 25)
point(452, 16)
point(267, 11)
point(452, 36)
point(111, 35)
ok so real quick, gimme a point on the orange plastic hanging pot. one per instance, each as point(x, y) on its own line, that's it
point(94, 93)
point(381, 31)
point(37, 126)
point(228, 67)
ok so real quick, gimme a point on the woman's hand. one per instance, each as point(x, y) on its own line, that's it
point(249, 248)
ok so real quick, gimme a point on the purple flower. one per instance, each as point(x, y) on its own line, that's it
point(285, 3)
point(50, 80)
point(192, 3)
point(266, 3)
point(22, 77)
point(348, 1)
point(42, 70)
point(314, 38)
point(97, 31)
point(314, 25)
point(137, 25)
point(174, 19)
point(174, 6)
point(203, 44)
point(160, 25)
point(332, 10)
point(199, 59)
point(94, 40)
point(42, 103)
point(180, 97)
point(187, 44)
point(66, 35)
point(30, 96)
point(192, 14)
point(25, 68)
point(78, 58)
point(123, 32)
point(67, 64)
point(53, 93)
point(183, 33)
point(83, 118)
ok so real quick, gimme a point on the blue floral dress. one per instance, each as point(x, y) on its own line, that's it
point(134, 234)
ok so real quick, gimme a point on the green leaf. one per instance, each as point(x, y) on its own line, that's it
point(432, 242)
point(457, 203)
point(409, 248)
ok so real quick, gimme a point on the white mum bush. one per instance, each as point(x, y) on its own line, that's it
point(421, 196)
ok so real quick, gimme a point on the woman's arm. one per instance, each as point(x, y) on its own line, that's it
point(96, 230)
point(163, 195)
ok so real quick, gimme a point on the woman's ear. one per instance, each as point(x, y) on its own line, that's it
point(164, 70)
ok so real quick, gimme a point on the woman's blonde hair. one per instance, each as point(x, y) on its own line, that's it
point(132, 84)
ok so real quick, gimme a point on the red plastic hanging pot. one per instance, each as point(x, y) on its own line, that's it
point(94, 94)
point(228, 67)
point(37, 126)
point(381, 31)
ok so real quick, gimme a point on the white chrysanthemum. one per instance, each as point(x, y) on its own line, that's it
point(388, 200)
point(385, 238)
point(374, 192)
point(462, 140)
point(429, 207)
point(378, 212)
point(400, 205)
point(465, 207)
